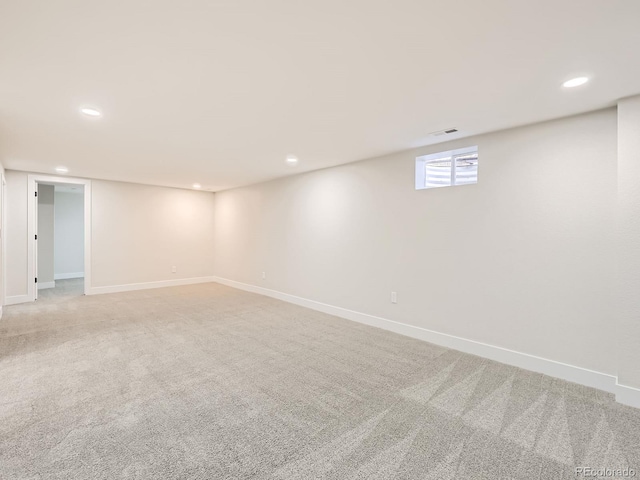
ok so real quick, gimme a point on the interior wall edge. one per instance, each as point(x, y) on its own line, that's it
point(627, 395)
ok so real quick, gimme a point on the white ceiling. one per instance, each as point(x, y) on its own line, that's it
point(219, 92)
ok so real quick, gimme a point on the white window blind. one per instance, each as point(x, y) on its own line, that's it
point(446, 169)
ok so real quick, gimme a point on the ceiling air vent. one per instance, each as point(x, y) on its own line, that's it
point(447, 131)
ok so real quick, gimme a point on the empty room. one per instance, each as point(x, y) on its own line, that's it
point(319, 240)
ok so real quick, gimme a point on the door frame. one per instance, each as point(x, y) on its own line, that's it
point(32, 228)
point(3, 192)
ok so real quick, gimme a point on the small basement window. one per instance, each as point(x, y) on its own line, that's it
point(447, 169)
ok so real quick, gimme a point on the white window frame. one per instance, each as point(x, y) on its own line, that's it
point(421, 162)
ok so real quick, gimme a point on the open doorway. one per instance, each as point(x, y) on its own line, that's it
point(60, 224)
point(60, 242)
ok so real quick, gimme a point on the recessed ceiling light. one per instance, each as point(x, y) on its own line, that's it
point(292, 160)
point(62, 169)
point(197, 186)
point(91, 112)
point(575, 82)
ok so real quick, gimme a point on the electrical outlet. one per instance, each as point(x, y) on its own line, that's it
point(264, 275)
point(174, 269)
point(394, 297)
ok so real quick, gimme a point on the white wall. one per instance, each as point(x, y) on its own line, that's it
point(522, 260)
point(2, 234)
point(45, 236)
point(138, 233)
point(69, 234)
point(16, 235)
point(628, 248)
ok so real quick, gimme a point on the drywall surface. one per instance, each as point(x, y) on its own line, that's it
point(16, 234)
point(69, 234)
point(628, 248)
point(522, 260)
point(2, 234)
point(139, 233)
point(45, 235)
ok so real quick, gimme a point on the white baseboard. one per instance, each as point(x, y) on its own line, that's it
point(15, 299)
point(628, 395)
point(526, 361)
point(66, 276)
point(43, 285)
point(146, 285)
point(624, 394)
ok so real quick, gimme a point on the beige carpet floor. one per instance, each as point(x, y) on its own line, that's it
point(63, 291)
point(208, 382)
